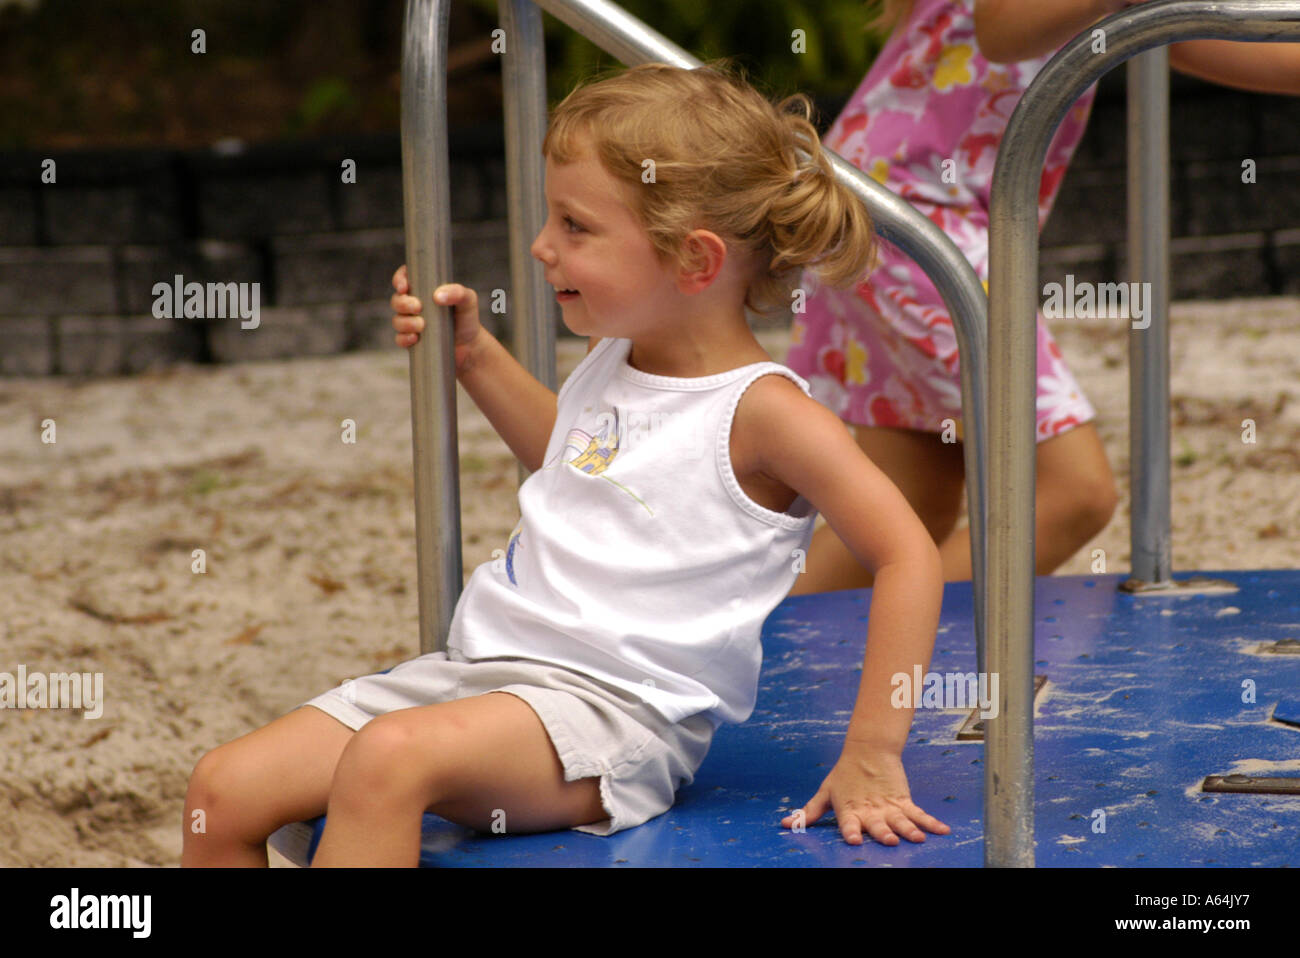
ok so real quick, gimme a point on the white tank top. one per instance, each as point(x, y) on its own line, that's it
point(637, 559)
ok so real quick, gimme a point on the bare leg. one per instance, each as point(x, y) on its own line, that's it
point(1075, 498)
point(241, 792)
point(475, 761)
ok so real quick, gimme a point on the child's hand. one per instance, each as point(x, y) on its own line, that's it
point(409, 323)
point(868, 792)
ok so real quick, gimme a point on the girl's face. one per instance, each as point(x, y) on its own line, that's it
point(592, 243)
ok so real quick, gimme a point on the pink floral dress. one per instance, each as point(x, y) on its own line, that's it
point(926, 122)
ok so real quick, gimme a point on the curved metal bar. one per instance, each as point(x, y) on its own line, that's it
point(900, 223)
point(1013, 286)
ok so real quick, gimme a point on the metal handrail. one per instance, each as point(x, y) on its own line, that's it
point(424, 162)
point(1013, 284)
point(1151, 558)
point(426, 200)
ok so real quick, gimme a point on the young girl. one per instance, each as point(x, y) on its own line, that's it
point(675, 476)
point(927, 122)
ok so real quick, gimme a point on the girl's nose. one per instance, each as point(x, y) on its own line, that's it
point(541, 249)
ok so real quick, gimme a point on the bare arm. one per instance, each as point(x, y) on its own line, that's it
point(1260, 67)
point(520, 408)
point(1011, 30)
point(808, 448)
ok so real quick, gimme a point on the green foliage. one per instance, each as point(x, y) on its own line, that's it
point(75, 73)
point(327, 98)
point(757, 33)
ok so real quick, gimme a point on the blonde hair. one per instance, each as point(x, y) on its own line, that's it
point(724, 160)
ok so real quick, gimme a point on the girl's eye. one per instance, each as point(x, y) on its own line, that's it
point(570, 221)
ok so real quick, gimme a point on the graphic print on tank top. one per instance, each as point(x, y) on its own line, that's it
point(587, 452)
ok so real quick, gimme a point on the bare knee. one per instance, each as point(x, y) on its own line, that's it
point(1076, 487)
point(1086, 508)
point(217, 803)
point(1103, 503)
point(388, 760)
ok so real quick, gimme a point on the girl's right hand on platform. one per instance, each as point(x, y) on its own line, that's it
point(410, 324)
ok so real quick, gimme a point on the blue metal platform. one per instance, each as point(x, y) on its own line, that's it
point(1144, 699)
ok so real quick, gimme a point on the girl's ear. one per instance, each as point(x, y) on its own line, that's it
point(694, 255)
point(702, 257)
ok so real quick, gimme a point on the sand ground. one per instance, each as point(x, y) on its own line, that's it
point(310, 546)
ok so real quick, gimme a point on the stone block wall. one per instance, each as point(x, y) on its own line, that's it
point(79, 257)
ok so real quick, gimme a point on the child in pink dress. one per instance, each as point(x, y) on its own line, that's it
point(927, 122)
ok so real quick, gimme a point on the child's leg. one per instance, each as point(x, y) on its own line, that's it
point(1075, 497)
point(477, 761)
point(245, 790)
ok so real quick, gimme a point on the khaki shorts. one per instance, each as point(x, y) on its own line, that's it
point(597, 730)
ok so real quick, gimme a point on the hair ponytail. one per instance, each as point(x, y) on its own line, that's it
point(814, 221)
